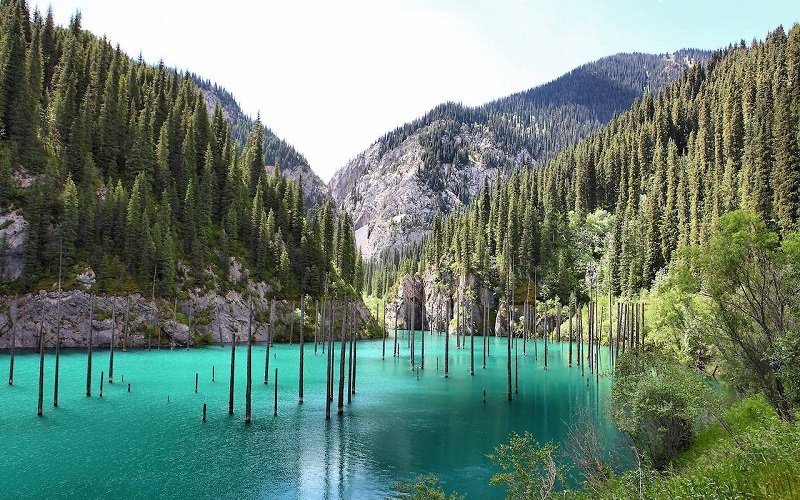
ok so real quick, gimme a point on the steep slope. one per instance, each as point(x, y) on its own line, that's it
point(276, 150)
point(440, 161)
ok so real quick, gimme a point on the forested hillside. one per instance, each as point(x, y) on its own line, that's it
point(620, 204)
point(276, 150)
point(439, 162)
point(112, 164)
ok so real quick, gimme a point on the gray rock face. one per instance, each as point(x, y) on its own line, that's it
point(214, 318)
point(14, 230)
point(440, 294)
point(392, 204)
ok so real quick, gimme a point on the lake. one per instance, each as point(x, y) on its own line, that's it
point(151, 442)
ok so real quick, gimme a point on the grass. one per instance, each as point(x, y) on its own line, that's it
point(754, 455)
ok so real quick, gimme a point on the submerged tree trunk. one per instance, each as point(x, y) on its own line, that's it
point(350, 359)
point(447, 342)
point(41, 369)
point(301, 331)
point(249, 386)
point(89, 351)
point(471, 343)
point(340, 407)
point(383, 331)
point(111, 352)
point(13, 342)
point(58, 350)
point(233, 373)
point(269, 341)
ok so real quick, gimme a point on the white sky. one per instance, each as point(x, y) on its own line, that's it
point(331, 76)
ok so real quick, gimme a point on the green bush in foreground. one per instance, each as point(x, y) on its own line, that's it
point(750, 453)
point(657, 402)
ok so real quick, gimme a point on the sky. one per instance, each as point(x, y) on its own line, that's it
point(332, 76)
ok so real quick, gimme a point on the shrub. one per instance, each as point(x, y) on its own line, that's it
point(529, 469)
point(657, 402)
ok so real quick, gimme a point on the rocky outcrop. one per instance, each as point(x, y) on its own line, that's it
point(214, 318)
point(13, 233)
point(440, 295)
point(393, 203)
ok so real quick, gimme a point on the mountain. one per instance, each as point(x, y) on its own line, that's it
point(276, 150)
point(439, 162)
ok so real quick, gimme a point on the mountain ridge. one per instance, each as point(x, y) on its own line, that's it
point(439, 162)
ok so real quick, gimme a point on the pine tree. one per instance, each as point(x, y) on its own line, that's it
point(69, 222)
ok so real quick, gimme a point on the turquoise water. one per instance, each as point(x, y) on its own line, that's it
point(138, 444)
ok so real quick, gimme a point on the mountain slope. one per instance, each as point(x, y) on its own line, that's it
point(440, 161)
point(115, 172)
point(276, 150)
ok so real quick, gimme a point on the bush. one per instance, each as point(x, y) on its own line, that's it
point(425, 487)
point(529, 469)
point(657, 402)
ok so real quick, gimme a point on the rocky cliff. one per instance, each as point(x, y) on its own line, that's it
point(200, 318)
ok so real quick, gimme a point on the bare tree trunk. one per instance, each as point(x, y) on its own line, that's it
point(233, 372)
point(383, 328)
point(447, 342)
point(249, 386)
point(471, 343)
point(340, 408)
point(269, 340)
point(13, 342)
point(58, 347)
point(301, 332)
point(89, 350)
point(41, 369)
point(111, 352)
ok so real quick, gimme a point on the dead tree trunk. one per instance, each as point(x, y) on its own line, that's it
point(269, 341)
point(111, 352)
point(301, 331)
point(233, 373)
point(13, 343)
point(41, 369)
point(89, 351)
point(340, 407)
point(249, 386)
point(58, 349)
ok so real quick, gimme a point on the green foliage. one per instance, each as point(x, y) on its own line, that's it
point(749, 453)
point(204, 338)
point(680, 320)
point(723, 137)
point(751, 282)
point(658, 403)
point(528, 469)
point(426, 487)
